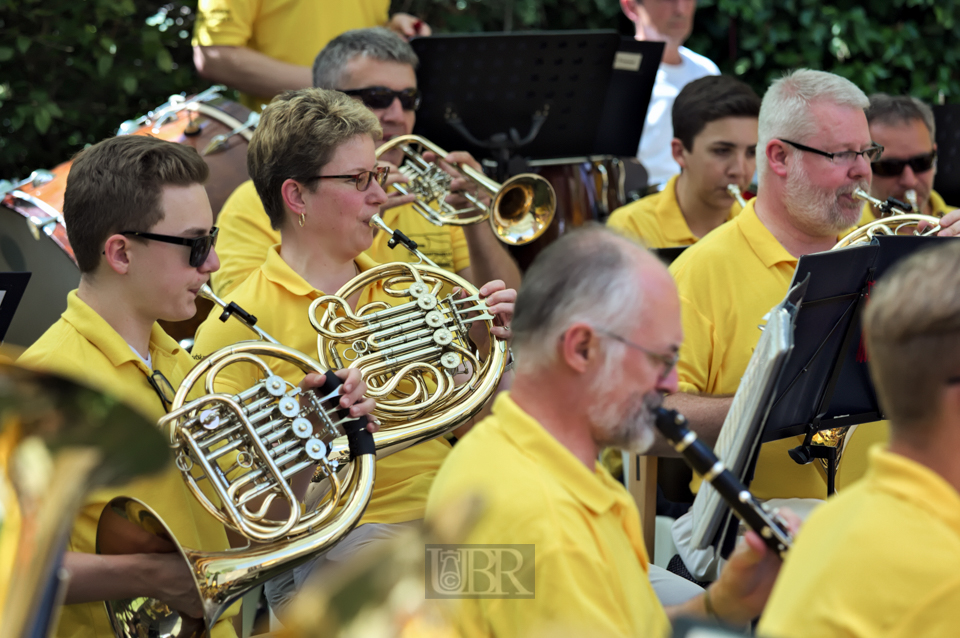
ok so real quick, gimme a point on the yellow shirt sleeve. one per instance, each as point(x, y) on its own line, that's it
point(245, 236)
point(224, 22)
point(212, 335)
point(697, 351)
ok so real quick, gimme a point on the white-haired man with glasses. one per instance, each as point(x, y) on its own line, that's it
point(376, 67)
point(816, 150)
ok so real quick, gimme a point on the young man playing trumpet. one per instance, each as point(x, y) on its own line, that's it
point(313, 162)
point(880, 558)
point(715, 145)
point(376, 67)
point(142, 230)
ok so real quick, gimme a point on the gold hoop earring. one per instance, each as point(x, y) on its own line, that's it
point(302, 217)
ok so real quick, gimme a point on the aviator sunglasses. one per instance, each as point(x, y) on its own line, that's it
point(380, 97)
point(199, 246)
point(894, 167)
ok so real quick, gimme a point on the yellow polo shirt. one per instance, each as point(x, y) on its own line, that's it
point(880, 559)
point(656, 220)
point(591, 568)
point(246, 234)
point(280, 299)
point(940, 208)
point(291, 31)
point(81, 345)
point(727, 282)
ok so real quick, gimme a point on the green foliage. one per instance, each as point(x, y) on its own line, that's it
point(446, 16)
point(72, 70)
point(892, 46)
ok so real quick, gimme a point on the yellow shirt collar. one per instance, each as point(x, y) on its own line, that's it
point(761, 240)
point(596, 490)
point(101, 334)
point(276, 270)
point(914, 483)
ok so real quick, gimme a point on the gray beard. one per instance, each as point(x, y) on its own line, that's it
point(630, 429)
point(817, 212)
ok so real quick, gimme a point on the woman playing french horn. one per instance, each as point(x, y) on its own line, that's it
point(312, 160)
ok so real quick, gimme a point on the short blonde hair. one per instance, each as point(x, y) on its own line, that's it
point(298, 134)
point(912, 329)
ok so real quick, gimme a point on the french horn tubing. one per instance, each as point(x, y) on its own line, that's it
point(415, 354)
point(521, 210)
point(238, 455)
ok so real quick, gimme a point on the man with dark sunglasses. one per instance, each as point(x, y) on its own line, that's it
point(377, 68)
point(905, 127)
point(141, 227)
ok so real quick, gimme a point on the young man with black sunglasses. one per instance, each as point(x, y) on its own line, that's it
point(376, 67)
point(905, 127)
point(141, 227)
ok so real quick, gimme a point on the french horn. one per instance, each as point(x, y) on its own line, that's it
point(521, 210)
point(238, 455)
point(415, 355)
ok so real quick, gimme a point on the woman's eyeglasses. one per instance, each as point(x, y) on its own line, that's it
point(364, 178)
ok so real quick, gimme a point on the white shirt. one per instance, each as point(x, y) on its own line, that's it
point(654, 152)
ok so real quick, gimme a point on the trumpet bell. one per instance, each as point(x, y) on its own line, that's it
point(523, 209)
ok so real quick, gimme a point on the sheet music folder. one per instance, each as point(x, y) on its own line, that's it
point(594, 87)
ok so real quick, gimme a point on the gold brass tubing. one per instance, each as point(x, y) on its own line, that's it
point(734, 191)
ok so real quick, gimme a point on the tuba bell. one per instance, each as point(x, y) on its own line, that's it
point(238, 455)
point(521, 210)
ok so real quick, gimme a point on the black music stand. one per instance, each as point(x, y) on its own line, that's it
point(668, 255)
point(826, 383)
point(12, 287)
point(545, 95)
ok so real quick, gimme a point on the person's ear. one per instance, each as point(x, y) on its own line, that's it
point(116, 253)
point(293, 194)
point(777, 155)
point(677, 149)
point(629, 8)
point(578, 347)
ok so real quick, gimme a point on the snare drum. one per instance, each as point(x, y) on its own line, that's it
point(37, 207)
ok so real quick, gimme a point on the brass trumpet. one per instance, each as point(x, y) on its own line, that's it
point(521, 210)
point(238, 454)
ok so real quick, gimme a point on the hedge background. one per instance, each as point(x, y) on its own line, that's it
point(71, 72)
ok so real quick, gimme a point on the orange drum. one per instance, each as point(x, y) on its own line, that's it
point(587, 190)
point(33, 237)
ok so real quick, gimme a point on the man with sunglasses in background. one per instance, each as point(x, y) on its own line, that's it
point(905, 127)
point(141, 228)
point(376, 67)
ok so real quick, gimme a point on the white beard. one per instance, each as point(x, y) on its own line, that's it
point(817, 211)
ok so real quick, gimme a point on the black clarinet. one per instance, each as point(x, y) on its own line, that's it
point(771, 528)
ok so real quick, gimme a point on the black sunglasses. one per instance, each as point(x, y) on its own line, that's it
point(894, 167)
point(164, 389)
point(199, 246)
point(380, 97)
